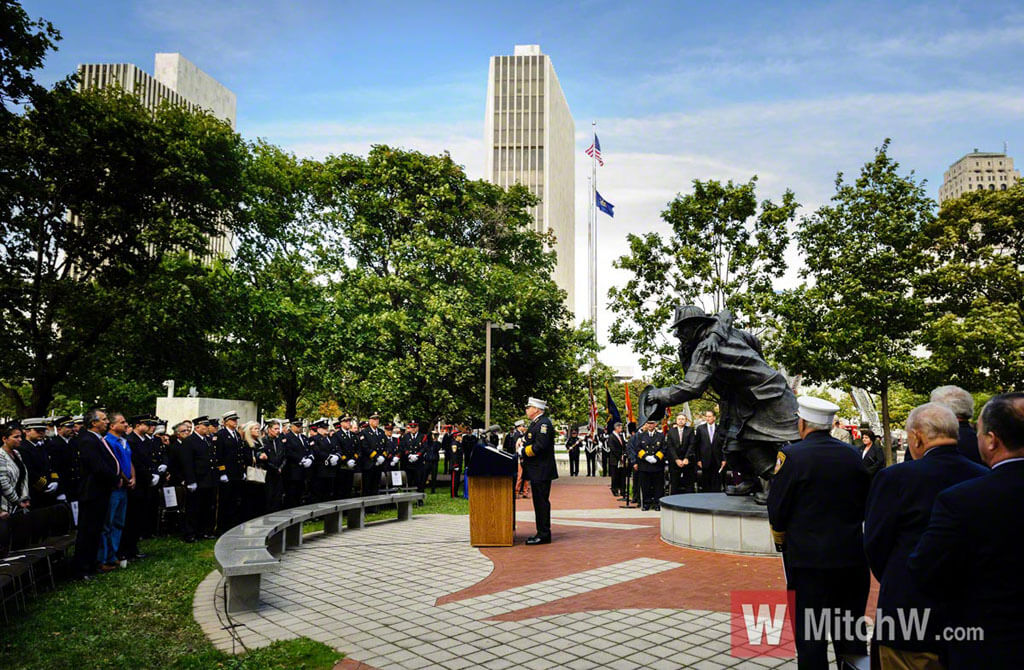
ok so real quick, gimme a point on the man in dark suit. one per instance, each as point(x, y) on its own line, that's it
point(100, 475)
point(325, 462)
point(961, 403)
point(899, 507)
point(682, 474)
point(199, 467)
point(706, 451)
point(272, 459)
point(538, 456)
point(816, 508)
point(348, 452)
point(969, 557)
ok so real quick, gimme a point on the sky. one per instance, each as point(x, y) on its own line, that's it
point(792, 92)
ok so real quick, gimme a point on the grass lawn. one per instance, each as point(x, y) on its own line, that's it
point(142, 617)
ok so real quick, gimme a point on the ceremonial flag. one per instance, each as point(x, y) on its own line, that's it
point(629, 406)
point(664, 422)
point(592, 424)
point(605, 206)
point(613, 411)
point(594, 150)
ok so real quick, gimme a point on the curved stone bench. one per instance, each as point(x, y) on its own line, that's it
point(717, 522)
point(248, 551)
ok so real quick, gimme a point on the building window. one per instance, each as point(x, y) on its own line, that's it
point(1002, 187)
point(991, 187)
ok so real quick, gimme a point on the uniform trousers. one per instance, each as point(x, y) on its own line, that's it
point(574, 463)
point(431, 476)
point(819, 592)
point(293, 490)
point(541, 491)
point(343, 484)
point(139, 506)
point(323, 489)
point(591, 463)
point(652, 487)
point(200, 509)
point(371, 482)
point(229, 504)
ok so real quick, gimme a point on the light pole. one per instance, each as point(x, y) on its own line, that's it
point(487, 371)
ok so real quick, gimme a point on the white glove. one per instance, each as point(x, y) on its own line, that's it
point(651, 458)
point(333, 460)
point(350, 463)
point(62, 497)
point(243, 476)
point(306, 462)
point(192, 488)
point(522, 451)
point(51, 487)
point(162, 468)
point(224, 478)
point(413, 458)
point(156, 480)
point(394, 461)
point(380, 460)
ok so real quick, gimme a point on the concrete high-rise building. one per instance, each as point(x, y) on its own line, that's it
point(530, 140)
point(177, 81)
point(978, 171)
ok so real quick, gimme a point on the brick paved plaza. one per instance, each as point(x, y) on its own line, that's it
point(607, 593)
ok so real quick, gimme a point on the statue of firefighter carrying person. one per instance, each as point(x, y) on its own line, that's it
point(759, 408)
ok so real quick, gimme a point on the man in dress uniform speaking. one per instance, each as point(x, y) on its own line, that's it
point(815, 507)
point(537, 451)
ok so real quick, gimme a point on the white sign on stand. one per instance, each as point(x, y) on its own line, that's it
point(74, 510)
point(396, 477)
point(170, 497)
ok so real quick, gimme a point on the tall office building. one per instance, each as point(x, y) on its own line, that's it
point(529, 134)
point(178, 81)
point(978, 171)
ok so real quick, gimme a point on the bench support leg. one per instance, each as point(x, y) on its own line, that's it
point(243, 593)
point(332, 523)
point(355, 518)
point(275, 545)
point(293, 535)
point(404, 510)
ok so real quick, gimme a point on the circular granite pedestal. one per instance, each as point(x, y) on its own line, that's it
point(717, 522)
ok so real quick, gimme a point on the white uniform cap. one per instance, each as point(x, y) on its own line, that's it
point(520, 423)
point(229, 415)
point(538, 403)
point(816, 410)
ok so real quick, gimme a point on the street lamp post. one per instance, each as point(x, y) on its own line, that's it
point(487, 372)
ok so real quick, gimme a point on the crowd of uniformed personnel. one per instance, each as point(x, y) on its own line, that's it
point(126, 479)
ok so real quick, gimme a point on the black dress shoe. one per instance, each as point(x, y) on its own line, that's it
point(537, 539)
point(138, 557)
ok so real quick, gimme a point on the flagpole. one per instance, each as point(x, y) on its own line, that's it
point(593, 233)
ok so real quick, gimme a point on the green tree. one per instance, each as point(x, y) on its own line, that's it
point(23, 46)
point(142, 187)
point(724, 250)
point(973, 286)
point(419, 258)
point(857, 323)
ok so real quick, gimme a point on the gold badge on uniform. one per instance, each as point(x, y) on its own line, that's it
point(779, 461)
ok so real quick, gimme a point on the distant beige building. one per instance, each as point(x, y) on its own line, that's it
point(178, 81)
point(530, 140)
point(978, 171)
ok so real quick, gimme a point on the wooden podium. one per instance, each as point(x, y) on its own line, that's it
point(492, 478)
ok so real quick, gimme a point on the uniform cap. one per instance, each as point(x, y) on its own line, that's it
point(201, 421)
point(375, 415)
point(520, 423)
point(413, 423)
point(63, 422)
point(78, 418)
point(35, 422)
point(295, 421)
point(215, 423)
point(227, 416)
point(137, 419)
point(537, 402)
point(816, 410)
point(153, 420)
point(321, 423)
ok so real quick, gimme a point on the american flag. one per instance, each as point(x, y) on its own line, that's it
point(594, 150)
point(592, 424)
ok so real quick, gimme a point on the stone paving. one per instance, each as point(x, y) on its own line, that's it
point(415, 594)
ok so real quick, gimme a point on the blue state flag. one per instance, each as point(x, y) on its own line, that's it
point(605, 206)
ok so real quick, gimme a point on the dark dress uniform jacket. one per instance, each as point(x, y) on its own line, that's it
point(142, 459)
point(274, 448)
point(64, 465)
point(345, 446)
point(817, 498)
point(198, 462)
point(372, 443)
point(540, 439)
point(970, 558)
point(651, 444)
point(899, 507)
point(874, 460)
point(231, 453)
point(294, 451)
point(38, 467)
point(323, 449)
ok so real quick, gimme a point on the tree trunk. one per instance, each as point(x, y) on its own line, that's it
point(887, 434)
